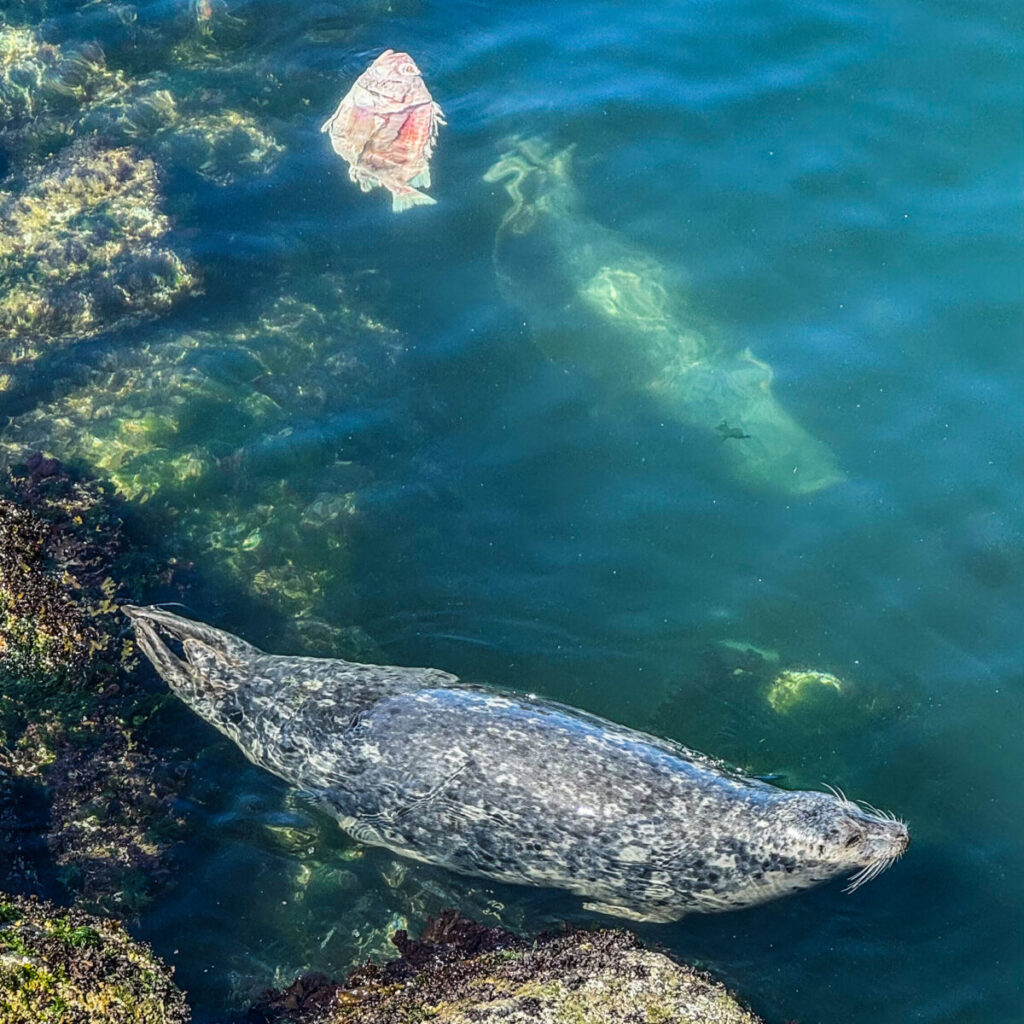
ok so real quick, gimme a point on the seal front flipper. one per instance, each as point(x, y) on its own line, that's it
point(649, 916)
point(384, 827)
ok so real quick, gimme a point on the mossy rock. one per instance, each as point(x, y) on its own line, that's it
point(462, 973)
point(70, 967)
point(226, 437)
point(39, 80)
point(73, 721)
point(83, 248)
point(60, 538)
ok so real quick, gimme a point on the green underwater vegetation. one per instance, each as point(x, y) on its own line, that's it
point(73, 721)
point(771, 715)
point(67, 967)
point(460, 972)
point(171, 419)
point(43, 89)
point(83, 248)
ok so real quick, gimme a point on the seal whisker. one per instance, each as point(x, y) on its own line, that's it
point(870, 872)
point(841, 796)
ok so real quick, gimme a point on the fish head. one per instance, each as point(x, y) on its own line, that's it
point(394, 79)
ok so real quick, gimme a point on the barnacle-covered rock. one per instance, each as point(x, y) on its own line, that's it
point(459, 972)
point(83, 248)
point(80, 790)
point(64, 965)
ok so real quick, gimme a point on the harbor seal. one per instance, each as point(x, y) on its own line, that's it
point(513, 788)
point(601, 305)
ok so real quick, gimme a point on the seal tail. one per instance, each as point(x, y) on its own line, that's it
point(214, 661)
point(179, 628)
point(169, 666)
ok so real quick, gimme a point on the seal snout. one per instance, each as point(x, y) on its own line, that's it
point(886, 840)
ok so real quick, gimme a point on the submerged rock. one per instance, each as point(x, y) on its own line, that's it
point(59, 539)
point(200, 132)
point(798, 686)
point(773, 717)
point(83, 248)
point(231, 437)
point(44, 87)
point(64, 965)
point(459, 972)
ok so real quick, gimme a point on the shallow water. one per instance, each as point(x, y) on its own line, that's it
point(355, 425)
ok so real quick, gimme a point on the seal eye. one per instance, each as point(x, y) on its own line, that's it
point(854, 839)
point(408, 69)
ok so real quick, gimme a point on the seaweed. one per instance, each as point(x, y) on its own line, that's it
point(83, 249)
point(85, 803)
point(242, 416)
point(459, 971)
point(64, 965)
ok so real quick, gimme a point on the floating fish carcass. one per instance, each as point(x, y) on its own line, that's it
point(385, 129)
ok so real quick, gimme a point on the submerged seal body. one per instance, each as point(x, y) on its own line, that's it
point(597, 303)
point(516, 789)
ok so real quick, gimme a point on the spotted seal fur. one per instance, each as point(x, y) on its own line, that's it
point(513, 788)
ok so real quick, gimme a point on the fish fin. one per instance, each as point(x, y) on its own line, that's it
point(407, 200)
point(422, 180)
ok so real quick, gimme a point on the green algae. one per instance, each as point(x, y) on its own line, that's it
point(69, 967)
point(48, 84)
point(226, 414)
point(794, 687)
point(83, 248)
point(185, 131)
point(58, 626)
point(463, 973)
point(72, 723)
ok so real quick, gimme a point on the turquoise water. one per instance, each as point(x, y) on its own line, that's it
point(359, 424)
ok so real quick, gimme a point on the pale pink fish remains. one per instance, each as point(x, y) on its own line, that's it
point(385, 129)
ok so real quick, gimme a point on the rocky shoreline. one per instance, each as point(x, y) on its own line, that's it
point(64, 965)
